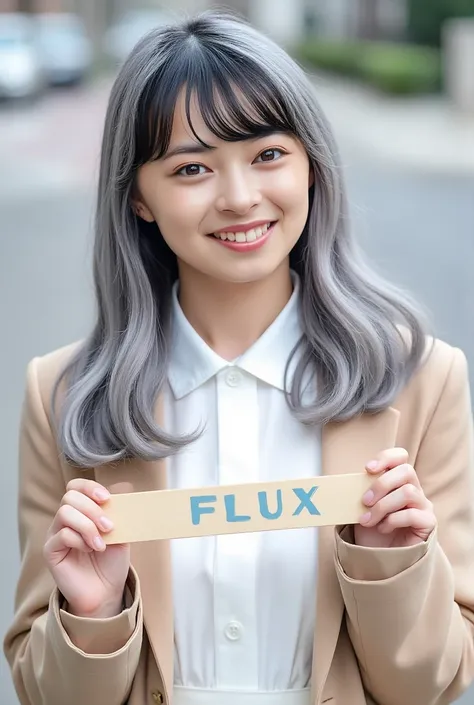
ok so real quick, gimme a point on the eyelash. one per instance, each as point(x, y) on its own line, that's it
point(179, 171)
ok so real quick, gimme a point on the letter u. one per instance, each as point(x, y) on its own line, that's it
point(263, 504)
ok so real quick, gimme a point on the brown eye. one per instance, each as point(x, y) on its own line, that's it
point(269, 155)
point(191, 170)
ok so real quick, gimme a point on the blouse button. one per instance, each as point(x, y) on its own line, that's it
point(157, 696)
point(233, 631)
point(233, 378)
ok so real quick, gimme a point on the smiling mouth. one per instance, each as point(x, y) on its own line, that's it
point(247, 236)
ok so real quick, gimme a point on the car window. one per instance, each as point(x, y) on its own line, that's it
point(12, 34)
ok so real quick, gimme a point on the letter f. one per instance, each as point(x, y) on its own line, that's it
point(197, 510)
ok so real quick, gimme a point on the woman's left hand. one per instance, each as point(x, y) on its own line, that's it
point(398, 513)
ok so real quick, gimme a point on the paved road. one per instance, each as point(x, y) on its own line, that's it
point(419, 229)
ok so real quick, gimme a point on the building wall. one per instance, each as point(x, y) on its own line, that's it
point(36, 5)
point(174, 6)
point(7, 5)
point(348, 18)
point(333, 17)
point(281, 19)
point(393, 16)
point(49, 5)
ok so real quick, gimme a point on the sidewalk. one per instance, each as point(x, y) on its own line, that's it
point(52, 145)
point(423, 133)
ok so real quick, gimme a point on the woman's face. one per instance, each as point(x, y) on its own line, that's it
point(232, 212)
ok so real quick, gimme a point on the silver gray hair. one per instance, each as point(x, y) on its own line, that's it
point(363, 338)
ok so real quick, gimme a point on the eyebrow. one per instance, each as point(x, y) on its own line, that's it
point(191, 148)
point(197, 148)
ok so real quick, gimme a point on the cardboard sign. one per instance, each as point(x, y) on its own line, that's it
point(231, 509)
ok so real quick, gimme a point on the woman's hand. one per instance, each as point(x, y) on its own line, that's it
point(398, 513)
point(90, 575)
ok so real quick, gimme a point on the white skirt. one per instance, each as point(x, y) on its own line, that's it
point(202, 696)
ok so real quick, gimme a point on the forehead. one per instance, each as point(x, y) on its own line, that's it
point(185, 120)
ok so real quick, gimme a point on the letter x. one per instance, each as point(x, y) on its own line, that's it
point(305, 501)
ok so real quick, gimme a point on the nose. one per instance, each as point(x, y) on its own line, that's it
point(239, 193)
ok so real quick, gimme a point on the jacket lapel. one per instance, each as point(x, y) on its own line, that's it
point(346, 448)
point(151, 560)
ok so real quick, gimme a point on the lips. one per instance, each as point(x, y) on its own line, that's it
point(246, 234)
point(248, 241)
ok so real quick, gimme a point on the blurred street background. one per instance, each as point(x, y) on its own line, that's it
point(395, 77)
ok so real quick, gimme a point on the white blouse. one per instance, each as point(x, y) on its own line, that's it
point(244, 604)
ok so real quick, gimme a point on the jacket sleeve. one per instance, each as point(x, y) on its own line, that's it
point(47, 667)
point(410, 611)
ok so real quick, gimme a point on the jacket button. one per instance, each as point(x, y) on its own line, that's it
point(157, 696)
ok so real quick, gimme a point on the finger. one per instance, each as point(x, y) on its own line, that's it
point(406, 496)
point(417, 519)
point(89, 508)
point(71, 518)
point(90, 488)
point(387, 460)
point(66, 538)
point(390, 481)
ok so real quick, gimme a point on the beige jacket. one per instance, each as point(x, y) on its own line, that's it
point(394, 626)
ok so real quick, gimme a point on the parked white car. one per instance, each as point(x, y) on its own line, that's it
point(21, 72)
point(65, 48)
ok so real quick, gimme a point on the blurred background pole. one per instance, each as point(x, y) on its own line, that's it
point(96, 16)
point(368, 24)
point(458, 52)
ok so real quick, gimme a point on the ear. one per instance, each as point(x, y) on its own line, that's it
point(142, 211)
point(311, 177)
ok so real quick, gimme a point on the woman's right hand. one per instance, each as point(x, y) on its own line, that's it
point(90, 575)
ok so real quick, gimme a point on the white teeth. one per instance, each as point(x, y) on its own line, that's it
point(248, 236)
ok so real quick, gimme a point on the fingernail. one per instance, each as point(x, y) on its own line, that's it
point(106, 524)
point(102, 494)
point(368, 497)
point(365, 518)
point(99, 543)
point(373, 465)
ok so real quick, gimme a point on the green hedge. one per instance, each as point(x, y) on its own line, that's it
point(332, 56)
point(387, 66)
point(403, 71)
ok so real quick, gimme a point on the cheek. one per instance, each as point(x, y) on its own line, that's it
point(180, 210)
point(291, 194)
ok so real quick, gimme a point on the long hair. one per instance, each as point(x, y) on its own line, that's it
point(362, 337)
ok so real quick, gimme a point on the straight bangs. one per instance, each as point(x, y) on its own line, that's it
point(237, 99)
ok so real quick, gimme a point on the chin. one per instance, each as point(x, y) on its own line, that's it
point(248, 272)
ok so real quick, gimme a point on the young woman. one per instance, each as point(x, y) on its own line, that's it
point(240, 337)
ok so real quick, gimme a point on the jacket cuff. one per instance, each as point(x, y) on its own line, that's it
point(364, 564)
point(102, 636)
